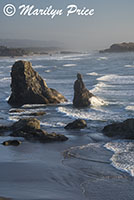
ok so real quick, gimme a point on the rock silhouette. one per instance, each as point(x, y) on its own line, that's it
point(123, 130)
point(81, 94)
point(29, 88)
point(121, 47)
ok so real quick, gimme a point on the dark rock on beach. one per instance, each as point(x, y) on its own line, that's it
point(81, 93)
point(26, 124)
point(29, 88)
point(123, 129)
point(11, 143)
point(122, 47)
point(39, 135)
point(29, 128)
point(77, 124)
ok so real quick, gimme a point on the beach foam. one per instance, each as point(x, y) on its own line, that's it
point(116, 79)
point(130, 108)
point(5, 79)
point(39, 66)
point(94, 113)
point(96, 101)
point(47, 71)
point(13, 118)
point(98, 87)
point(69, 65)
point(102, 58)
point(92, 74)
point(123, 157)
point(55, 125)
point(129, 65)
point(33, 105)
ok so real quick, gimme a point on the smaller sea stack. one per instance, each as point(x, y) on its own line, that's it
point(81, 94)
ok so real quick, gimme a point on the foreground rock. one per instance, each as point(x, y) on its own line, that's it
point(82, 96)
point(11, 143)
point(77, 124)
point(123, 129)
point(123, 47)
point(29, 128)
point(29, 88)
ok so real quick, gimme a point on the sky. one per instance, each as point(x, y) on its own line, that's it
point(112, 22)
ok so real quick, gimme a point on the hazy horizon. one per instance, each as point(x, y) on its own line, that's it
point(111, 23)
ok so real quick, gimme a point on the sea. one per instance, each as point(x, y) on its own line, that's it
point(88, 165)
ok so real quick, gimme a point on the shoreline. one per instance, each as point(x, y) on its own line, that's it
point(86, 176)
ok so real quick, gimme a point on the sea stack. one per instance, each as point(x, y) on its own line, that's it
point(29, 88)
point(82, 95)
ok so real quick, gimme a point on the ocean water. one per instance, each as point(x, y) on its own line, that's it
point(74, 169)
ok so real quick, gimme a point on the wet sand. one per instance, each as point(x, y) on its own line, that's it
point(61, 172)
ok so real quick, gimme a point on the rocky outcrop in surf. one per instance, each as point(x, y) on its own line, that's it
point(77, 124)
point(122, 47)
point(82, 96)
point(123, 130)
point(29, 128)
point(12, 143)
point(29, 88)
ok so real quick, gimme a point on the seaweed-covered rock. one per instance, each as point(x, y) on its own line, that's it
point(29, 88)
point(77, 124)
point(123, 129)
point(82, 96)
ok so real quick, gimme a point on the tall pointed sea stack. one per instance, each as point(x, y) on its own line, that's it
point(29, 88)
point(81, 94)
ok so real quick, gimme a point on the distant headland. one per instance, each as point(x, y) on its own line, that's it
point(14, 52)
point(121, 47)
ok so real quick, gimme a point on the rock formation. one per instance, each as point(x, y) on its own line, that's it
point(123, 47)
point(29, 128)
point(77, 124)
point(11, 143)
point(29, 88)
point(81, 94)
point(123, 129)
